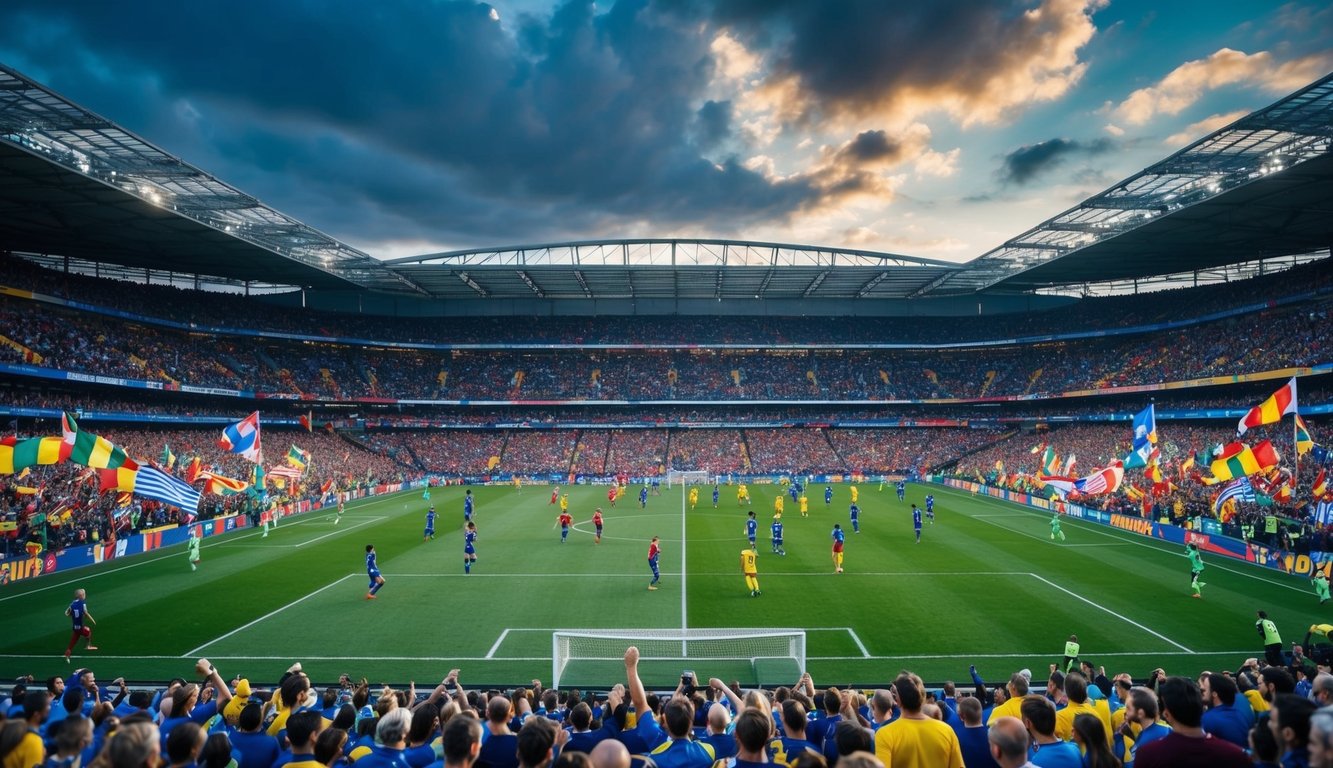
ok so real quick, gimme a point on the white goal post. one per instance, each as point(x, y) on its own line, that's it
point(591, 656)
point(688, 477)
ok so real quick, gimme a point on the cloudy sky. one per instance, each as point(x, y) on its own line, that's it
point(937, 128)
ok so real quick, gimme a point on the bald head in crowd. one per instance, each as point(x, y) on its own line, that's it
point(1008, 742)
point(610, 753)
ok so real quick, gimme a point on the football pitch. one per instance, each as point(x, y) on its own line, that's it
point(986, 585)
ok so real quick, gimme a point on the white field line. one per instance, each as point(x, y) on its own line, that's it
point(855, 638)
point(491, 653)
point(1100, 607)
point(1132, 538)
point(684, 623)
point(636, 574)
point(338, 532)
point(144, 559)
point(270, 614)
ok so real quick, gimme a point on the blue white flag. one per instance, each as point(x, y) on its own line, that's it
point(243, 438)
point(1323, 513)
point(1239, 489)
point(1144, 441)
point(153, 483)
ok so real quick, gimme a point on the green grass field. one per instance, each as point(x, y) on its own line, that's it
point(985, 586)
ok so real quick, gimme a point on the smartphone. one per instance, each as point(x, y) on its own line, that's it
point(687, 677)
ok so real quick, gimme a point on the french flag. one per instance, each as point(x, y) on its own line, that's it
point(243, 438)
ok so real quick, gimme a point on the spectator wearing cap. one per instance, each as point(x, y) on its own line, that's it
point(256, 748)
point(1188, 745)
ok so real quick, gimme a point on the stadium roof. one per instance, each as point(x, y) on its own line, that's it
point(1262, 186)
point(670, 268)
point(73, 183)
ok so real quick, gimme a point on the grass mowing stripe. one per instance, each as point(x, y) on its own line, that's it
point(244, 627)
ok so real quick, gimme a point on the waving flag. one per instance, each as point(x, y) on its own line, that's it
point(1266, 456)
point(1235, 460)
point(1144, 439)
point(120, 479)
point(1304, 440)
point(307, 421)
point(1320, 487)
point(153, 483)
point(18, 455)
point(298, 458)
point(243, 438)
point(1102, 481)
point(1239, 489)
point(1050, 463)
point(1272, 410)
point(281, 471)
point(168, 458)
point(193, 470)
point(88, 449)
point(222, 486)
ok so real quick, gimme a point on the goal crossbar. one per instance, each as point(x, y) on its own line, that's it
point(753, 648)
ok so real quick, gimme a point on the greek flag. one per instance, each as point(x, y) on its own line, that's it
point(155, 484)
point(1239, 488)
point(1323, 513)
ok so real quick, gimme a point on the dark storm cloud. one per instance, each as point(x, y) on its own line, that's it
point(1027, 163)
point(422, 119)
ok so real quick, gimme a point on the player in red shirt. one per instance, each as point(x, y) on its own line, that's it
point(565, 520)
point(611, 494)
point(653, 551)
point(555, 494)
point(597, 522)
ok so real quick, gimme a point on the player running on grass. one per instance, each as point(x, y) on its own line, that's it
point(342, 507)
point(1056, 533)
point(654, 552)
point(564, 521)
point(373, 572)
point(901, 487)
point(612, 494)
point(777, 536)
point(643, 497)
point(837, 548)
point(715, 495)
point(78, 614)
point(1196, 569)
point(749, 567)
point(916, 522)
point(694, 498)
point(828, 495)
point(752, 527)
point(192, 546)
point(467, 505)
point(805, 505)
point(429, 533)
point(1320, 583)
point(855, 512)
point(469, 546)
point(930, 508)
point(597, 523)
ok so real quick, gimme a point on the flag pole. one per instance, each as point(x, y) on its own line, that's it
point(1295, 447)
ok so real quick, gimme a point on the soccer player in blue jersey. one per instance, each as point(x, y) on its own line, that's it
point(856, 518)
point(429, 534)
point(777, 536)
point(469, 546)
point(916, 522)
point(751, 528)
point(78, 614)
point(828, 495)
point(373, 571)
point(467, 505)
point(715, 496)
point(838, 538)
point(902, 490)
point(654, 552)
point(930, 507)
point(643, 497)
point(793, 490)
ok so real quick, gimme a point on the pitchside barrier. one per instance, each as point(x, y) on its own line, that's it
point(26, 567)
point(1210, 539)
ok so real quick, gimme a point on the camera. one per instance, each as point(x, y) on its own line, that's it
point(687, 680)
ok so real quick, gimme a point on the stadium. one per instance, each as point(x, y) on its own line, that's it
point(215, 410)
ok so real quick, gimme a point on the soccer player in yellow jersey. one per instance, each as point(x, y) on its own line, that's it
point(564, 503)
point(805, 506)
point(856, 492)
point(518, 483)
point(620, 491)
point(749, 560)
point(742, 494)
point(694, 497)
point(777, 504)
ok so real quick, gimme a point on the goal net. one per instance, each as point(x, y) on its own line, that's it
point(687, 477)
point(589, 657)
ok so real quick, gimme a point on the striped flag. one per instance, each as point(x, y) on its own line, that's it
point(1323, 513)
point(1236, 460)
point(88, 449)
point(119, 479)
point(1320, 486)
point(168, 458)
point(1102, 481)
point(285, 472)
point(17, 455)
point(298, 458)
point(153, 483)
point(1272, 410)
point(1304, 440)
point(1238, 489)
point(243, 438)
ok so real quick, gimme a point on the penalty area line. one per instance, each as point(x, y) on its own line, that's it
point(270, 614)
point(1100, 607)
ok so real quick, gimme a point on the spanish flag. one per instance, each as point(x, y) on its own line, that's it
point(1270, 411)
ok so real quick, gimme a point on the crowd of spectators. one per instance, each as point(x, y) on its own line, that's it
point(879, 451)
point(222, 310)
point(798, 451)
point(88, 343)
point(1278, 711)
point(716, 451)
point(538, 452)
point(636, 451)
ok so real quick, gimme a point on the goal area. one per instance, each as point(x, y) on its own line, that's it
point(595, 657)
point(677, 477)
